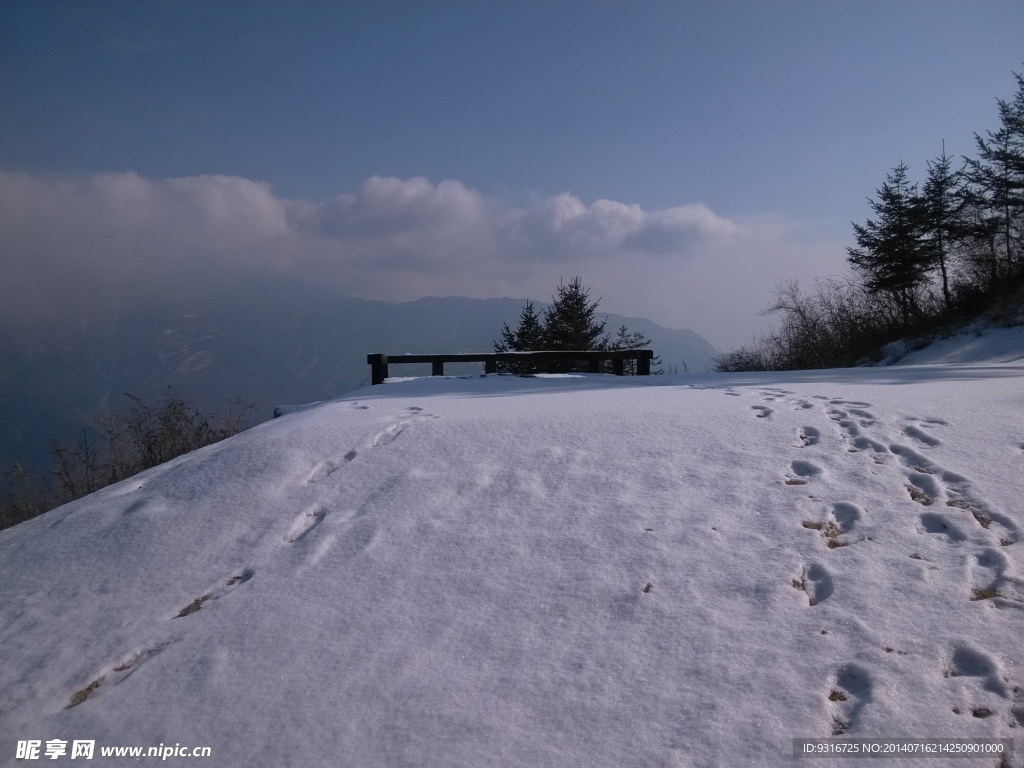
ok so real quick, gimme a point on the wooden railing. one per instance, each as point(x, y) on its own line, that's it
point(379, 363)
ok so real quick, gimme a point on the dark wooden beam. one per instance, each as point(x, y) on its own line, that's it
point(379, 362)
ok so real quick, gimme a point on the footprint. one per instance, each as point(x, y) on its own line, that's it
point(116, 673)
point(867, 418)
point(841, 521)
point(306, 521)
point(921, 436)
point(816, 582)
point(216, 592)
point(922, 488)
point(808, 436)
point(731, 392)
point(850, 692)
point(85, 693)
point(846, 515)
point(989, 577)
point(388, 435)
point(929, 478)
point(763, 411)
point(863, 443)
point(964, 661)
point(326, 468)
point(1000, 524)
point(803, 470)
point(935, 523)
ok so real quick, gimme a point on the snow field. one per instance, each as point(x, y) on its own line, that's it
point(566, 570)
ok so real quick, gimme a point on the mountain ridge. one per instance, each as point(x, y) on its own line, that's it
point(266, 343)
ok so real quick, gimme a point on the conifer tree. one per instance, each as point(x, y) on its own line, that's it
point(942, 207)
point(997, 180)
point(891, 254)
point(570, 323)
point(528, 337)
point(625, 339)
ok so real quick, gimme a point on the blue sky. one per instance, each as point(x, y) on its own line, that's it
point(777, 119)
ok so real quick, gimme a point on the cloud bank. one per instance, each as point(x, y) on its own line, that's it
point(116, 235)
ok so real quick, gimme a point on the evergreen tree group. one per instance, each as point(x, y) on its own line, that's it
point(930, 256)
point(570, 323)
point(964, 228)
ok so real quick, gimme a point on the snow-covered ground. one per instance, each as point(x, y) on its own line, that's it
point(979, 342)
point(553, 571)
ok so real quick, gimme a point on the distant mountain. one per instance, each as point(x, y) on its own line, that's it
point(269, 344)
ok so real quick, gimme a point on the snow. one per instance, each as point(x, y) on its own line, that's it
point(554, 571)
point(979, 342)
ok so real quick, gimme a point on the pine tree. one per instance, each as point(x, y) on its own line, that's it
point(997, 180)
point(528, 337)
point(624, 339)
point(942, 207)
point(891, 254)
point(570, 324)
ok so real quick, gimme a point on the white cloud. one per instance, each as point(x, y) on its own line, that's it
point(66, 239)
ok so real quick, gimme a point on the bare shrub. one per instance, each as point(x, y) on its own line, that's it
point(129, 442)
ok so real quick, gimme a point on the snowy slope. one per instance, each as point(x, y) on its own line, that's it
point(979, 342)
point(554, 571)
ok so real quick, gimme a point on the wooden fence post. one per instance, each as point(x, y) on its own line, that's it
point(378, 368)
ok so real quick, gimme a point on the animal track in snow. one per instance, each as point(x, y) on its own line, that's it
point(763, 411)
point(816, 582)
point(116, 673)
point(847, 515)
point(216, 592)
point(923, 488)
point(989, 577)
point(808, 436)
point(843, 518)
point(866, 418)
point(850, 691)
point(306, 521)
point(921, 436)
point(387, 435)
point(329, 467)
point(964, 661)
point(803, 471)
point(862, 443)
point(392, 431)
point(852, 430)
point(932, 522)
point(930, 483)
